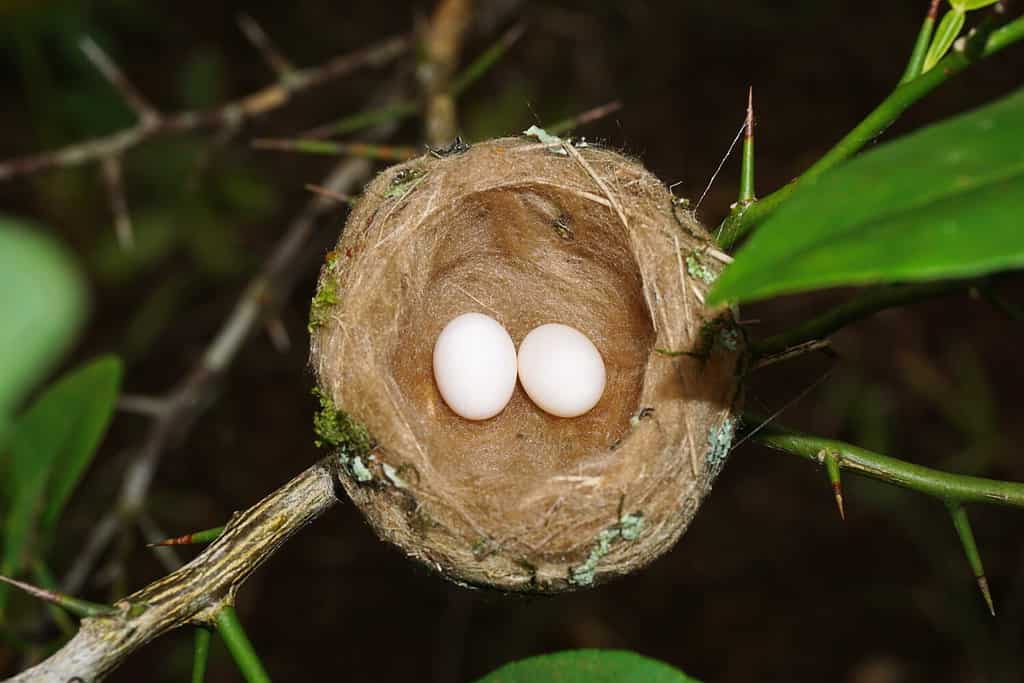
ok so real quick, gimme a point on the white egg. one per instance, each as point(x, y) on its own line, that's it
point(475, 366)
point(561, 370)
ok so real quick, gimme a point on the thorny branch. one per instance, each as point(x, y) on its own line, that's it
point(152, 124)
point(198, 592)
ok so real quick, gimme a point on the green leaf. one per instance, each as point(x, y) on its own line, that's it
point(967, 5)
point(588, 666)
point(949, 28)
point(43, 304)
point(944, 202)
point(52, 444)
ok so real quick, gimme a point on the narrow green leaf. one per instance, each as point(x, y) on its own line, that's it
point(949, 28)
point(924, 39)
point(51, 445)
point(943, 202)
point(588, 666)
point(44, 303)
point(89, 402)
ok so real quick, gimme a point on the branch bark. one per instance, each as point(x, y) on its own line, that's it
point(442, 43)
point(197, 592)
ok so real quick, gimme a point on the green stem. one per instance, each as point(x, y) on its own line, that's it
point(202, 655)
point(924, 39)
point(736, 226)
point(240, 647)
point(958, 488)
point(864, 305)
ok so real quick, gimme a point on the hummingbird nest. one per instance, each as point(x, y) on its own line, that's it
point(529, 233)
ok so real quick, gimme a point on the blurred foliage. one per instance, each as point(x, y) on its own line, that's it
point(52, 444)
point(587, 666)
point(43, 306)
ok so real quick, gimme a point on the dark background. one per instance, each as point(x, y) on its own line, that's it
point(768, 583)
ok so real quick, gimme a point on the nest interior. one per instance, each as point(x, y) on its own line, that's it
point(529, 236)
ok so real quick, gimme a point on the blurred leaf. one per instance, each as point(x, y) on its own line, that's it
point(944, 202)
point(164, 169)
point(52, 444)
point(44, 303)
point(214, 242)
point(156, 235)
point(949, 28)
point(201, 80)
point(587, 666)
point(246, 194)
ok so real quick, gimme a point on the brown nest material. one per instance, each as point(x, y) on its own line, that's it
point(528, 233)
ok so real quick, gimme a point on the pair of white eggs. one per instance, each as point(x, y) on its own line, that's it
point(476, 366)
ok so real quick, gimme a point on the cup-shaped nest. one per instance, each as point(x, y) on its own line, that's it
point(528, 233)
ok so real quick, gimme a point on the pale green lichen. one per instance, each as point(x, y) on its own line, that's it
point(719, 443)
point(360, 471)
point(642, 414)
point(392, 474)
point(627, 528)
point(546, 138)
point(729, 338)
point(325, 298)
point(483, 548)
point(631, 525)
point(699, 270)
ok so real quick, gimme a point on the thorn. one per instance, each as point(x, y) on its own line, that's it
point(584, 118)
point(255, 34)
point(750, 112)
point(330, 194)
point(112, 177)
point(278, 334)
point(147, 114)
point(832, 459)
point(80, 608)
point(987, 594)
point(747, 195)
point(963, 529)
point(148, 406)
point(204, 536)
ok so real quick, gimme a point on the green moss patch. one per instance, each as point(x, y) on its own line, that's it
point(326, 297)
